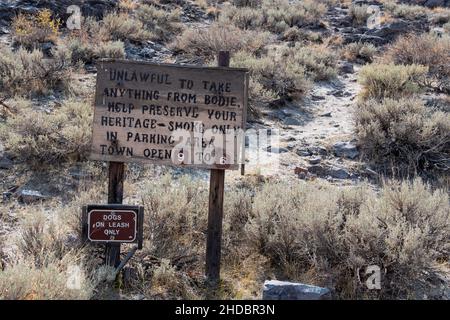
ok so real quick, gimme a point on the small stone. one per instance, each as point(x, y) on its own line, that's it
point(338, 173)
point(317, 98)
point(276, 149)
point(291, 122)
point(303, 152)
point(345, 150)
point(315, 160)
point(30, 196)
point(6, 163)
point(346, 68)
point(283, 290)
point(326, 114)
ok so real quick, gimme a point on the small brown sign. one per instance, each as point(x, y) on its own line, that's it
point(169, 114)
point(112, 223)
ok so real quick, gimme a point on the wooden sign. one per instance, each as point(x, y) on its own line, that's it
point(112, 224)
point(169, 114)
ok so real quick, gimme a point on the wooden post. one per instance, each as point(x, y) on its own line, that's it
point(115, 195)
point(215, 213)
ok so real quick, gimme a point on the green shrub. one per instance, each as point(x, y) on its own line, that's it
point(391, 81)
point(404, 134)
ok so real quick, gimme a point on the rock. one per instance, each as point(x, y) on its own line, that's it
point(291, 145)
point(282, 290)
point(345, 150)
point(5, 163)
point(276, 149)
point(299, 170)
point(303, 152)
point(338, 173)
point(317, 98)
point(315, 160)
point(291, 122)
point(326, 114)
point(346, 67)
point(29, 196)
point(437, 3)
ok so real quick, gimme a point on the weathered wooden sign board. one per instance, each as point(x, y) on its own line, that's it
point(169, 114)
point(113, 224)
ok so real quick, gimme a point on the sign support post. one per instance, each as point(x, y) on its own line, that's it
point(215, 211)
point(115, 196)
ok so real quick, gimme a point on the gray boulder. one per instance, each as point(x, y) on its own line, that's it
point(282, 290)
point(345, 150)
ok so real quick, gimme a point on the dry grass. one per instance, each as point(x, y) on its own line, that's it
point(391, 81)
point(404, 134)
point(123, 27)
point(427, 50)
point(88, 52)
point(28, 73)
point(44, 138)
point(208, 42)
point(312, 232)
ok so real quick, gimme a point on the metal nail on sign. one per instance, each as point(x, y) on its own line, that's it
point(113, 223)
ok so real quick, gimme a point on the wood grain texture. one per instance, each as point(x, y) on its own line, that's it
point(140, 106)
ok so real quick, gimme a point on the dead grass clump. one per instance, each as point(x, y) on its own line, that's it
point(26, 73)
point(208, 42)
point(32, 30)
point(405, 11)
point(404, 133)
point(427, 50)
point(44, 138)
point(391, 81)
point(24, 281)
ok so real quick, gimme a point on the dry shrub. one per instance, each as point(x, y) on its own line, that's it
point(272, 77)
point(296, 34)
point(87, 52)
point(208, 42)
point(162, 24)
point(28, 73)
point(122, 27)
point(43, 138)
point(335, 232)
point(359, 51)
point(391, 81)
point(359, 14)
point(427, 50)
point(319, 61)
point(405, 11)
point(404, 133)
point(32, 30)
point(275, 15)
